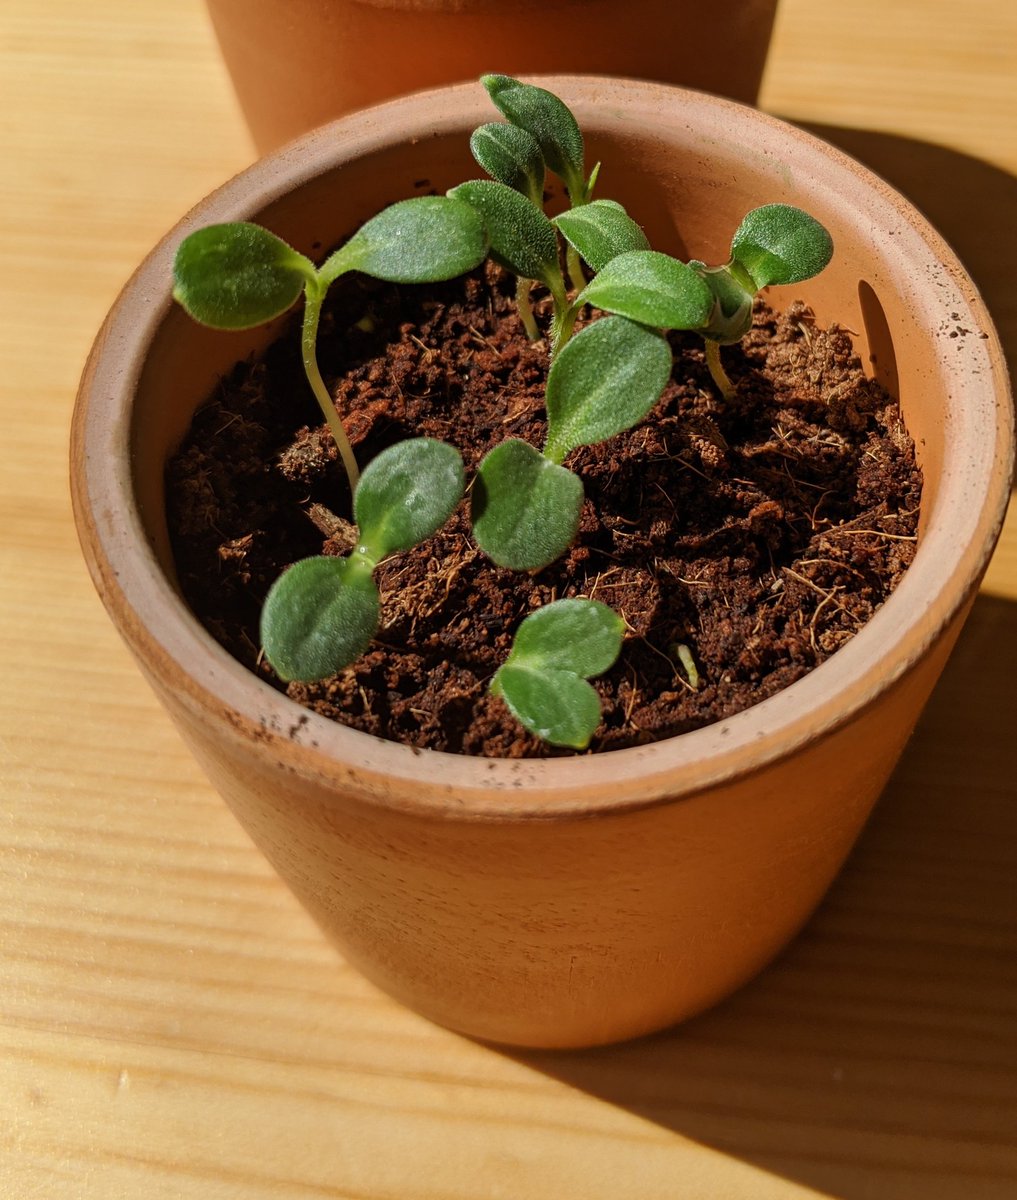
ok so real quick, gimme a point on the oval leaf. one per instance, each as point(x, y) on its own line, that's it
point(581, 636)
point(781, 244)
point(318, 617)
point(652, 288)
point(423, 240)
point(549, 121)
point(521, 237)
point(237, 276)
point(557, 706)
point(605, 379)
point(525, 509)
point(406, 494)
point(600, 231)
point(512, 157)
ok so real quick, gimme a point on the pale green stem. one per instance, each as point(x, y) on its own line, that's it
point(526, 308)
point(720, 378)
point(562, 324)
point(688, 663)
point(577, 279)
point(314, 294)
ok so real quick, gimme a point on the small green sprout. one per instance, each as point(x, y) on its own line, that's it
point(239, 275)
point(775, 244)
point(684, 655)
point(525, 504)
point(549, 125)
point(321, 614)
point(555, 651)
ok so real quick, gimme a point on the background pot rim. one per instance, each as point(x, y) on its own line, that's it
point(164, 635)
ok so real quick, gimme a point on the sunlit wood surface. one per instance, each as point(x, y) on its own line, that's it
point(172, 1024)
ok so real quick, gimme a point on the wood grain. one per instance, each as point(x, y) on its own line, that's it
point(172, 1024)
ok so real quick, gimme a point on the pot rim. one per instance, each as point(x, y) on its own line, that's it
point(165, 636)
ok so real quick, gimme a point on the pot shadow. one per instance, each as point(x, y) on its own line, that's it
point(972, 203)
point(877, 1058)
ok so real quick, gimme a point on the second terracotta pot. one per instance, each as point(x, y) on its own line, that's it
point(297, 64)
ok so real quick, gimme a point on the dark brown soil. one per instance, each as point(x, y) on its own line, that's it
point(761, 534)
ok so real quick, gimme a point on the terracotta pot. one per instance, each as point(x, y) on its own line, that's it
point(585, 899)
point(302, 62)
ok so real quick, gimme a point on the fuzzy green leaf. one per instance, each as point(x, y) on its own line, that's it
point(550, 121)
point(318, 617)
point(522, 238)
point(525, 508)
point(605, 379)
point(559, 707)
point(651, 288)
point(581, 636)
point(543, 680)
point(237, 276)
point(512, 157)
point(423, 240)
point(406, 494)
point(600, 231)
point(781, 244)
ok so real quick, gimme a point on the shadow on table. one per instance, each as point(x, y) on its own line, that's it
point(877, 1059)
point(972, 203)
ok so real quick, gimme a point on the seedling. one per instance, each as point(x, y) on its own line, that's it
point(555, 651)
point(775, 244)
point(240, 275)
point(321, 614)
point(551, 124)
point(525, 504)
point(543, 134)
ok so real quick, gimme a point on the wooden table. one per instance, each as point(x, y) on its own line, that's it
point(172, 1023)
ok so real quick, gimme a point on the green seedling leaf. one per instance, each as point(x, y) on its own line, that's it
point(605, 379)
point(581, 636)
point(405, 494)
point(651, 288)
point(559, 707)
point(423, 240)
point(781, 244)
point(512, 157)
point(600, 231)
point(522, 238)
point(549, 121)
point(525, 508)
point(543, 680)
point(318, 617)
point(237, 276)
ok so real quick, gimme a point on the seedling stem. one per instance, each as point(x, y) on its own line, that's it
point(314, 295)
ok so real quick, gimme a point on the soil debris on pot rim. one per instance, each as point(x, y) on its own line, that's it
point(760, 534)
